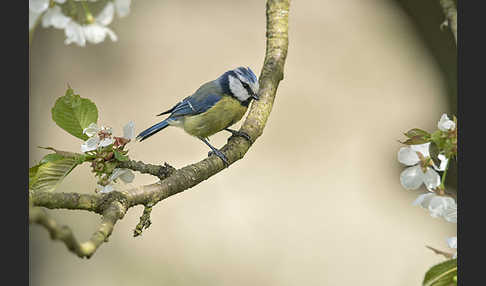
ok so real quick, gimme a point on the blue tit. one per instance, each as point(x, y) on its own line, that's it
point(214, 107)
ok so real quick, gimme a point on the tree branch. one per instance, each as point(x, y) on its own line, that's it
point(63, 233)
point(114, 205)
point(159, 171)
point(450, 12)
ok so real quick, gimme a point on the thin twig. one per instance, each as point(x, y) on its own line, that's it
point(440, 252)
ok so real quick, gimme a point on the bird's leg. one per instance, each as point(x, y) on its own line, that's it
point(240, 134)
point(216, 152)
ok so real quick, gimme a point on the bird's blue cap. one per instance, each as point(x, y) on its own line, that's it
point(248, 73)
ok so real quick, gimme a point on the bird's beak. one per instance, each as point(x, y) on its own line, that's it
point(255, 96)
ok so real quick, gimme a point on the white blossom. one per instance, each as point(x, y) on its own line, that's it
point(91, 130)
point(438, 206)
point(413, 177)
point(445, 124)
point(452, 242)
point(96, 32)
point(450, 214)
point(122, 7)
point(90, 144)
point(95, 140)
point(37, 8)
point(106, 15)
point(125, 175)
point(74, 34)
point(105, 189)
point(129, 130)
point(54, 17)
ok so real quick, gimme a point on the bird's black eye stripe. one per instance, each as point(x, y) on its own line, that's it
point(247, 87)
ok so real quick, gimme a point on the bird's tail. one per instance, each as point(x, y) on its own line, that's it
point(152, 130)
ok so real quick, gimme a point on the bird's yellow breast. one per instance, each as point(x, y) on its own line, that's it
point(223, 114)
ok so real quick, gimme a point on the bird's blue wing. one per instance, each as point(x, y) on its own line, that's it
point(195, 104)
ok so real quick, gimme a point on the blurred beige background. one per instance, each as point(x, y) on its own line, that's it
point(316, 200)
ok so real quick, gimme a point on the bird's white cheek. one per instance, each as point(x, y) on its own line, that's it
point(237, 89)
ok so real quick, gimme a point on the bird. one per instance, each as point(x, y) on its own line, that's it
point(213, 107)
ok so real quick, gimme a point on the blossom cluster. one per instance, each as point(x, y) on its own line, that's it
point(107, 149)
point(423, 168)
point(94, 30)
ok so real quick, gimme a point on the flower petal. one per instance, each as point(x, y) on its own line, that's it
point(422, 148)
point(424, 200)
point(129, 130)
point(122, 7)
point(90, 144)
point(431, 179)
point(111, 34)
point(115, 174)
point(54, 17)
point(106, 189)
point(106, 142)
point(106, 15)
point(412, 177)
point(445, 124)
point(91, 130)
point(125, 175)
point(74, 34)
point(450, 214)
point(452, 242)
point(407, 156)
point(38, 6)
point(94, 33)
point(439, 204)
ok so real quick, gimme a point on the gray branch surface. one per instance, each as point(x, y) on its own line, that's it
point(113, 206)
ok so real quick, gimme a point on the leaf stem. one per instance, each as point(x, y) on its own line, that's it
point(442, 185)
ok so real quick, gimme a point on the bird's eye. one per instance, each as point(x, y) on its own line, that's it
point(245, 85)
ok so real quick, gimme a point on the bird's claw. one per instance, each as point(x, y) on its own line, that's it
point(241, 134)
point(220, 155)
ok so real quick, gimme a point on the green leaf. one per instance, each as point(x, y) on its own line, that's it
point(442, 274)
point(119, 156)
point(50, 157)
point(415, 141)
point(45, 177)
point(417, 132)
point(32, 173)
point(73, 113)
